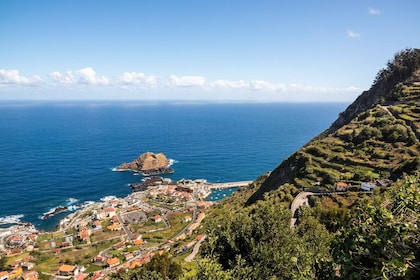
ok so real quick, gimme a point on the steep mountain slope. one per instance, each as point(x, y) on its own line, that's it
point(376, 137)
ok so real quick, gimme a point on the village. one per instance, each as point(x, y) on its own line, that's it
point(112, 235)
point(119, 233)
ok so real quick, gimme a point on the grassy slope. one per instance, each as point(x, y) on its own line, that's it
point(381, 142)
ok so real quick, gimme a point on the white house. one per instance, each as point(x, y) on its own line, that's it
point(368, 186)
point(104, 213)
point(4, 275)
point(157, 219)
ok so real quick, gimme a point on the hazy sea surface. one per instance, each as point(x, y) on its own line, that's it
point(63, 153)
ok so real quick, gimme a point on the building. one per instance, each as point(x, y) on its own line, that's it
point(137, 263)
point(157, 219)
point(186, 219)
point(113, 262)
point(28, 265)
point(67, 270)
point(128, 256)
point(82, 224)
point(84, 235)
point(16, 273)
point(114, 227)
point(138, 242)
point(4, 275)
point(204, 205)
point(99, 259)
point(137, 236)
point(81, 276)
point(97, 276)
point(341, 186)
point(106, 213)
point(30, 275)
point(97, 224)
point(119, 245)
point(15, 240)
point(368, 186)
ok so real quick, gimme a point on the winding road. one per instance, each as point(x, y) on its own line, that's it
point(300, 199)
point(196, 248)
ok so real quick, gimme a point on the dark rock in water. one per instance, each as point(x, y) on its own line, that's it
point(148, 164)
point(148, 182)
point(56, 211)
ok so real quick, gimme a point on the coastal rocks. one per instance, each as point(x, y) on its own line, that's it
point(148, 164)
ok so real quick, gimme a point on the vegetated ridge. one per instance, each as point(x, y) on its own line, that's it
point(347, 235)
point(376, 137)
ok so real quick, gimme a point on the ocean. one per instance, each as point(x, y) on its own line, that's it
point(63, 153)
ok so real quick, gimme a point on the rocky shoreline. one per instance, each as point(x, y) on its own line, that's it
point(148, 164)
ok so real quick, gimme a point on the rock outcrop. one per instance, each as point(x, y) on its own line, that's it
point(148, 164)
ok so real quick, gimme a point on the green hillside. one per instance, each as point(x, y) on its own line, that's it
point(347, 235)
point(377, 137)
point(354, 235)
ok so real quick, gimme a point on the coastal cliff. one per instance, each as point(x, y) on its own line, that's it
point(376, 137)
point(148, 164)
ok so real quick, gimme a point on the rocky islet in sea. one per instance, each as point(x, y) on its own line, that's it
point(148, 164)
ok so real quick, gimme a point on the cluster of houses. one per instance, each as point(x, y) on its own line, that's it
point(20, 269)
point(365, 186)
point(74, 272)
point(109, 211)
point(105, 215)
point(182, 190)
point(171, 191)
point(15, 244)
point(16, 241)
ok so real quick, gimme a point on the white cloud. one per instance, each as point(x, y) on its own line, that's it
point(187, 81)
point(352, 34)
point(88, 76)
point(267, 86)
point(374, 11)
point(66, 78)
point(13, 77)
point(121, 84)
point(137, 80)
point(298, 88)
point(228, 85)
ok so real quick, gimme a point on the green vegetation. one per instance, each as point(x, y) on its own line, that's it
point(377, 237)
point(352, 235)
point(382, 238)
point(50, 262)
point(161, 266)
point(377, 137)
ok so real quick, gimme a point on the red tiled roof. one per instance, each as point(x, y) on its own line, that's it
point(67, 268)
point(113, 261)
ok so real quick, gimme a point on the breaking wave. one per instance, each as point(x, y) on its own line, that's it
point(172, 161)
point(70, 206)
point(108, 198)
point(11, 219)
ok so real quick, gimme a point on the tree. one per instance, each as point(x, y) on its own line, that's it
point(383, 236)
point(258, 243)
point(3, 262)
point(165, 266)
point(160, 267)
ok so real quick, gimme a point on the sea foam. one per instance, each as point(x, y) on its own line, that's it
point(108, 198)
point(11, 219)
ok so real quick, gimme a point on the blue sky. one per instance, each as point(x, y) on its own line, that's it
point(200, 50)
